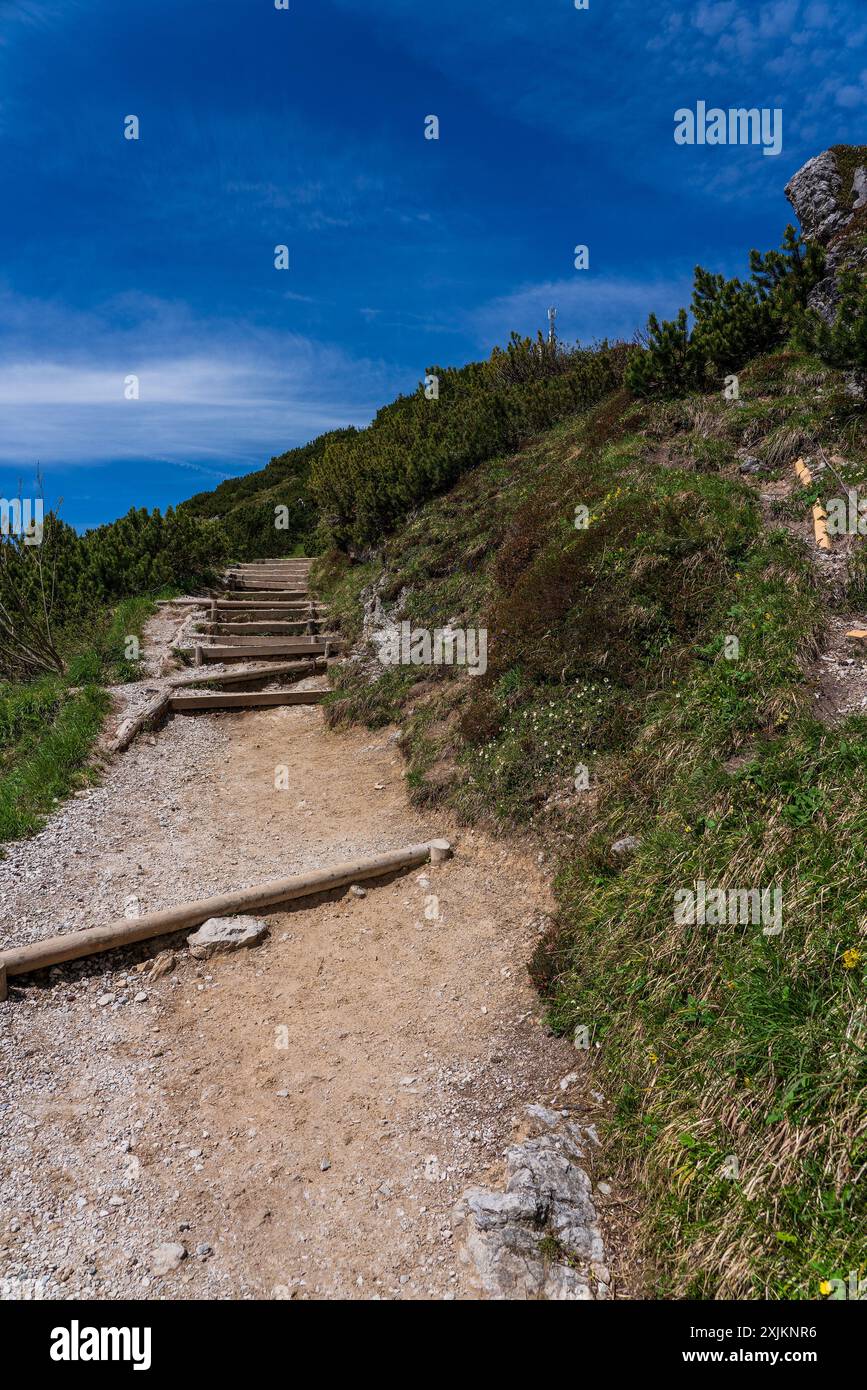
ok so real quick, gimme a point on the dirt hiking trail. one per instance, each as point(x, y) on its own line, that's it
point(294, 1120)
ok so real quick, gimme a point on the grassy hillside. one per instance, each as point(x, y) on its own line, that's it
point(607, 649)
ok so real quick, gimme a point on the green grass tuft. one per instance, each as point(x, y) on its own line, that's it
point(48, 761)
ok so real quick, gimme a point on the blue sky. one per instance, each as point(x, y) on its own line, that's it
point(305, 127)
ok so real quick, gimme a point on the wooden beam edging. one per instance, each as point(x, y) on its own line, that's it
point(125, 931)
point(126, 731)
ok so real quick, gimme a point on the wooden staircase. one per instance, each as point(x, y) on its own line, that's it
point(263, 611)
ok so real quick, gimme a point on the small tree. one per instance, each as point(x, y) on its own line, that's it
point(733, 322)
point(671, 363)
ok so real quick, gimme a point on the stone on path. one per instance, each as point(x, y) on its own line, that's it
point(167, 1257)
point(225, 934)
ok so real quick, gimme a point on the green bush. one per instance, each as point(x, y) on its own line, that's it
point(246, 507)
point(364, 481)
point(733, 321)
point(52, 593)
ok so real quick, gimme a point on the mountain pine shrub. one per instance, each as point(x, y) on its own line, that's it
point(733, 321)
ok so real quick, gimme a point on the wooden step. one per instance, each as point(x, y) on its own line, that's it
point(240, 598)
point(242, 640)
point(268, 594)
point(244, 629)
point(221, 699)
point(266, 583)
point(245, 618)
point(248, 674)
point(254, 612)
point(260, 615)
point(285, 647)
point(268, 586)
point(243, 602)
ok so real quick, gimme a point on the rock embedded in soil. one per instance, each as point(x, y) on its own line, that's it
point(627, 845)
point(163, 965)
point(225, 934)
point(517, 1242)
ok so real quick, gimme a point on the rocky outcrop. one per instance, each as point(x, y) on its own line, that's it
point(538, 1238)
point(815, 193)
point(827, 195)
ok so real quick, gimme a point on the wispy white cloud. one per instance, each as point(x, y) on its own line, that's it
point(588, 307)
point(207, 390)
